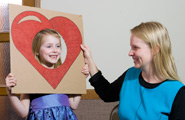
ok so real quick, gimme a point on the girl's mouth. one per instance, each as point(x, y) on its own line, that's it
point(53, 56)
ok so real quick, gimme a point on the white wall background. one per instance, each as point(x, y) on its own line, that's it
point(107, 25)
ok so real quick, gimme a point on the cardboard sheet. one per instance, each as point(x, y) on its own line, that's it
point(32, 77)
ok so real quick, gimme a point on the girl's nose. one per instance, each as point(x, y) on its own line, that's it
point(54, 49)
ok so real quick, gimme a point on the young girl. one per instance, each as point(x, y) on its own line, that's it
point(46, 48)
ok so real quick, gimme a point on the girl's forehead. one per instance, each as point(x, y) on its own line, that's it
point(50, 38)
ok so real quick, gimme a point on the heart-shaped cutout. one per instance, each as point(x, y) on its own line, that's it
point(23, 33)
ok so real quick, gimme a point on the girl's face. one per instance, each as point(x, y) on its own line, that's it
point(141, 53)
point(50, 50)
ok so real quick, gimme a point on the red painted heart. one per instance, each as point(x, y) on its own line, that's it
point(23, 33)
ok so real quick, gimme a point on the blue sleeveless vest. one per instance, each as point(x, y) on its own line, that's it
point(140, 103)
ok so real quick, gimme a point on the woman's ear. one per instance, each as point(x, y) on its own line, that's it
point(157, 49)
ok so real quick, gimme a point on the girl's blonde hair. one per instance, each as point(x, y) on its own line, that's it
point(157, 37)
point(37, 42)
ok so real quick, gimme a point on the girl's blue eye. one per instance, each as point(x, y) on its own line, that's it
point(48, 46)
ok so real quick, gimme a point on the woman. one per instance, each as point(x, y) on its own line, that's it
point(150, 90)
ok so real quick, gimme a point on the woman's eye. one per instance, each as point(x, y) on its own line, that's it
point(48, 46)
point(135, 47)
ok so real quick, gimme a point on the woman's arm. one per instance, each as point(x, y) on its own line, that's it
point(74, 100)
point(178, 107)
point(21, 106)
point(109, 92)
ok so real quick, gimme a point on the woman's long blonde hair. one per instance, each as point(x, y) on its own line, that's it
point(157, 37)
point(37, 42)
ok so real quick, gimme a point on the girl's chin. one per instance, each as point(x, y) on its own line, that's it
point(48, 66)
point(54, 61)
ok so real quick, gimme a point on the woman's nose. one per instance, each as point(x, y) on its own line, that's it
point(130, 53)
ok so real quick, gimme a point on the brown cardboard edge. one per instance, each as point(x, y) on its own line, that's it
point(91, 94)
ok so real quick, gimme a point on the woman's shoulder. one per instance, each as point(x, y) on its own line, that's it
point(181, 92)
point(178, 107)
point(180, 97)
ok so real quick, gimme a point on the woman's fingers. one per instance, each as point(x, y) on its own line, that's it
point(85, 69)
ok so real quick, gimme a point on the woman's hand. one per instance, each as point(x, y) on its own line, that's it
point(85, 70)
point(92, 69)
point(87, 53)
point(10, 82)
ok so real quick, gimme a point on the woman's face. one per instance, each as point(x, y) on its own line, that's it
point(141, 53)
point(50, 50)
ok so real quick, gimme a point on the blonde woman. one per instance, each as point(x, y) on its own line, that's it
point(150, 90)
